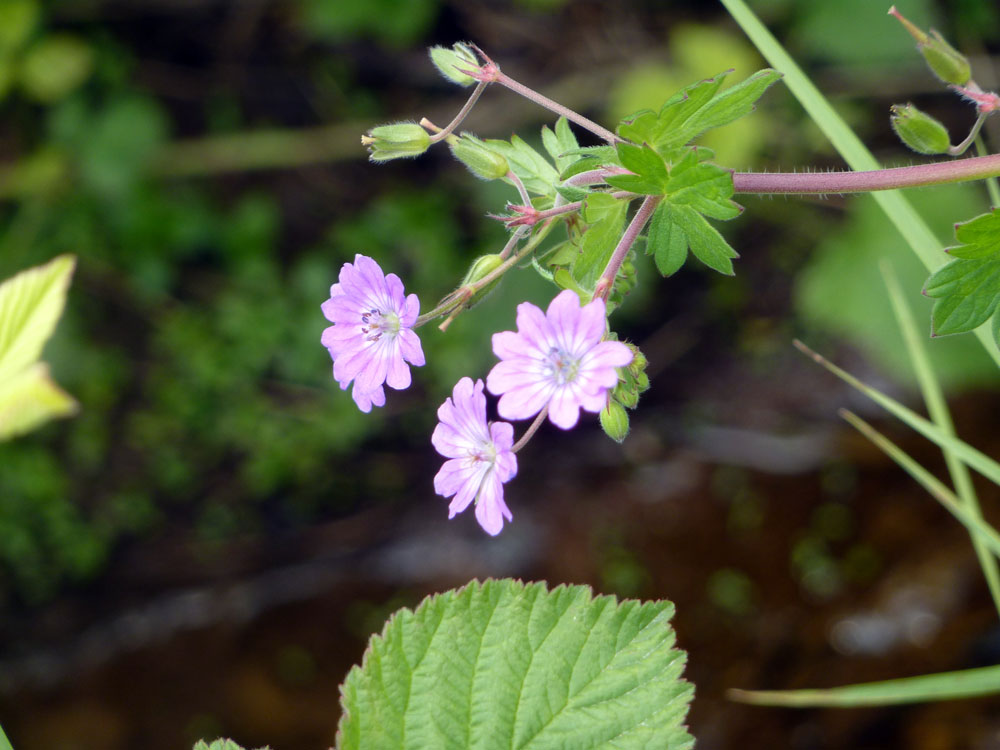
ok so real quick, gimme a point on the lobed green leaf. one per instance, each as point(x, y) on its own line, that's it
point(967, 293)
point(666, 241)
point(503, 664)
point(535, 171)
point(606, 217)
point(706, 244)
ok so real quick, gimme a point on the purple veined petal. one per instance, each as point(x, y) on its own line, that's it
point(375, 369)
point(513, 373)
point(394, 292)
point(608, 354)
point(348, 366)
point(593, 402)
point(533, 328)
point(590, 326)
point(562, 314)
point(451, 477)
point(526, 401)
point(502, 435)
point(398, 374)
point(564, 409)
point(411, 310)
point(490, 508)
point(480, 459)
point(410, 347)
point(365, 400)
point(508, 345)
point(451, 443)
point(372, 277)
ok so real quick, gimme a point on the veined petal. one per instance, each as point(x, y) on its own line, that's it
point(564, 408)
point(490, 507)
point(526, 401)
point(371, 338)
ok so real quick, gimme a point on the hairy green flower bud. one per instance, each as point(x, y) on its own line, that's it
point(480, 268)
point(946, 62)
point(480, 159)
point(627, 394)
point(400, 140)
point(918, 130)
point(614, 421)
point(451, 62)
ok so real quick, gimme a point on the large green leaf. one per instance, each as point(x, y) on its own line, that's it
point(30, 305)
point(507, 665)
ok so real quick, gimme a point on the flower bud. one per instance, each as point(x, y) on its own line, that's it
point(481, 160)
point(480, 268)
point(451, 62)
point(614, 421)
point(627, 394)
point(399, 140)
point(946, 62)
point(918, 130)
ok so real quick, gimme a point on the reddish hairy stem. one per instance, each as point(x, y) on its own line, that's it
point(607, 280)
point(921, 175)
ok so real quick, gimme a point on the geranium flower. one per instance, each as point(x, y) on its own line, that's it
point(556, 359)
point(479, 453)
point(371, 338)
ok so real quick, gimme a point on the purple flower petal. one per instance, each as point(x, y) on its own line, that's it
point(371, 339)
point(556, 359)
point(479, 453)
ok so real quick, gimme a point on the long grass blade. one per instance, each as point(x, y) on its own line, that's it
point(978, 528)
point(937, 408)
point(4, 742)
point(970, 456)
point(967, 683)
point(897, 208)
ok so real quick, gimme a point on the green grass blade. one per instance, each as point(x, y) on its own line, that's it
point(969, 455)
point(967, 683)
point(897, 208)
point(978, 528)
point(937, 408)
point(4, 742)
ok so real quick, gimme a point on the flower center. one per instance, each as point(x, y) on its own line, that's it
point(375, 323)
point(562, 367)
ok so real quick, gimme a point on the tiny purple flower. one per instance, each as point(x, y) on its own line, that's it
point(556, 359)
point(479, 453)
point(371, 338)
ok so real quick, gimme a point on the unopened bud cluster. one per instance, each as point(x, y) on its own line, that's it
point(632, 382)
point(400, 140)
point(917, 129)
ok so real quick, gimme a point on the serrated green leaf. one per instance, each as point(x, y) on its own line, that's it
point(572, 194)
point(967, 293)
point(980, 237)
point(29, 399)
point(695, 109)
point(30, 305)
point(706, 244)
point(733, 103)
point(503, 664)
point(665, 128)
point(666, 241)
point(705, 187)
point(560, 144)
point(535, 171)
point(606, 217)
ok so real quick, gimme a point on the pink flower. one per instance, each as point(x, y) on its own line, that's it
point(556, 359)
point(371, 338)
point(479, 453)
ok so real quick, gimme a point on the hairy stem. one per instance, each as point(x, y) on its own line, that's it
point(462, 113)
point(519, 88)
point(992, 188)
point(921, 175)
point(607, 280)
point(530, 432)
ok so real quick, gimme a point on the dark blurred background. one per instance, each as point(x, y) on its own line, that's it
point(204, 550)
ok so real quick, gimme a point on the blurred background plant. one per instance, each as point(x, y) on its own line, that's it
point(202, 161)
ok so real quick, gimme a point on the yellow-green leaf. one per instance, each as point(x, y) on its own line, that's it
point(30, 399)
point(30, 305)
